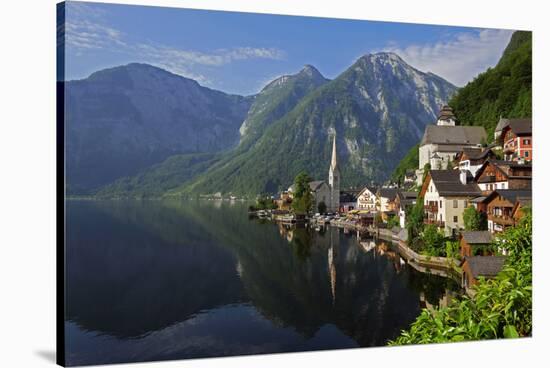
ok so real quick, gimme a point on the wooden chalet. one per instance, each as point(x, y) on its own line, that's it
point(497, 174)
point(475, 243)
point(500, 205)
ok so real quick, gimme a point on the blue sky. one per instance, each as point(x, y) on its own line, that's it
point(241, 52)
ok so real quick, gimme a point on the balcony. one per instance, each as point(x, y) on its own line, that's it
point(431, 208)
point(504, 220)
point(434, 222)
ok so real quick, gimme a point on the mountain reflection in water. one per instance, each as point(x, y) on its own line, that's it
point(156, 280)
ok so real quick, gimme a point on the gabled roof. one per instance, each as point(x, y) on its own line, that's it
point(487, 266)
point(369, 188)
point(503, 167)
point(474, 153)
point(477, 237)
point(466, 135)
point(447, 183)
point(519, 126)
point(511, 195)
point(388, 192)
point(314, 185)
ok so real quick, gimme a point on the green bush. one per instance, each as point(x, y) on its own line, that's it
point(500, 308)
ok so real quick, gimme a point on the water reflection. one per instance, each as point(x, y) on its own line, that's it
point(169, 280)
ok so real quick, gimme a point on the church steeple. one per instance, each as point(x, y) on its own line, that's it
point(334, 160)
point(334, 180)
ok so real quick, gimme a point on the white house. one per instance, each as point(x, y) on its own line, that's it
point(446, 195)
point(366, 200)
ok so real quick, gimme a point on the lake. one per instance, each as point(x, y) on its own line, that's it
point(158, 280)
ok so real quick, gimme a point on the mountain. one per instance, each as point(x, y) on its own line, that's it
point(378, 109)
point(122, 120)
point(505, 90)
point(276, 99)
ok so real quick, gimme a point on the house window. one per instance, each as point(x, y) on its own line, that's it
point(455, 219)
point(526, 141)
point(465, 203)
point(440, 203)
point(526, 153)
point(455, 203)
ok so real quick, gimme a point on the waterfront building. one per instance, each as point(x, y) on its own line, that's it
point(385, 198)
point(366, 200)
point(480, 266)
point(403, 200)
point(475, 243)
point(446, 195)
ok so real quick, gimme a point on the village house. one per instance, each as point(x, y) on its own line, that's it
point(446, 195)
point(472, 159)
point(348, 200)
point(500, 205)
point(475, 243)
point(409, 178)
point(366, 200)
point(443, 141)
point(385, 197)
point(496, 174)
point(516, 138)
point(284, 202)
point(403, 200)
point(480, 266)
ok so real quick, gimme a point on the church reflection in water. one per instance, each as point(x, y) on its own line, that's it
point(156, 280)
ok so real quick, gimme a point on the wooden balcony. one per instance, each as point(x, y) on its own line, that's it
point(434, 222)
point(504, 220)
point(431, 208)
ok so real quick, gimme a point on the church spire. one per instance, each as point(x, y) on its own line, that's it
point(334, 162)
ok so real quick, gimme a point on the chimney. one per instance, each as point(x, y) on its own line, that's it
point(463, 177)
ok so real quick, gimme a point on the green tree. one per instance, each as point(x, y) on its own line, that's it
point(500, 308)
point(474, 220)
point(433, 241)
point(415, 221)
point(302, 201)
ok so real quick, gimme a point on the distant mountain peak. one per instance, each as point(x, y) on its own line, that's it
point(311, 71)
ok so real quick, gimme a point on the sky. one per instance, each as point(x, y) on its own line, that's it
point(241, 52)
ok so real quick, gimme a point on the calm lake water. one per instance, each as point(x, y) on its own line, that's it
point(151, 280)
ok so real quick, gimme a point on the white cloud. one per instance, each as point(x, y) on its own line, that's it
point(458, 59)
point(83, 35)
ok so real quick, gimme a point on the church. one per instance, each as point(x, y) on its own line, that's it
point(327, 192)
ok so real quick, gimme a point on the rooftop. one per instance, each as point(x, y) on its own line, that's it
point(487, 266)
point(477, 237)
point(464, 135)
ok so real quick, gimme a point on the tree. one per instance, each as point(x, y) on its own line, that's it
point(322, 207)
point(302, 200)
point(474, 220)
point(501, 307)
point(415, 221)
point(392, 222)
point(434, 241)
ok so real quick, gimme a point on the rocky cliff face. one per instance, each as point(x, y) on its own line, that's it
point(377, 108)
